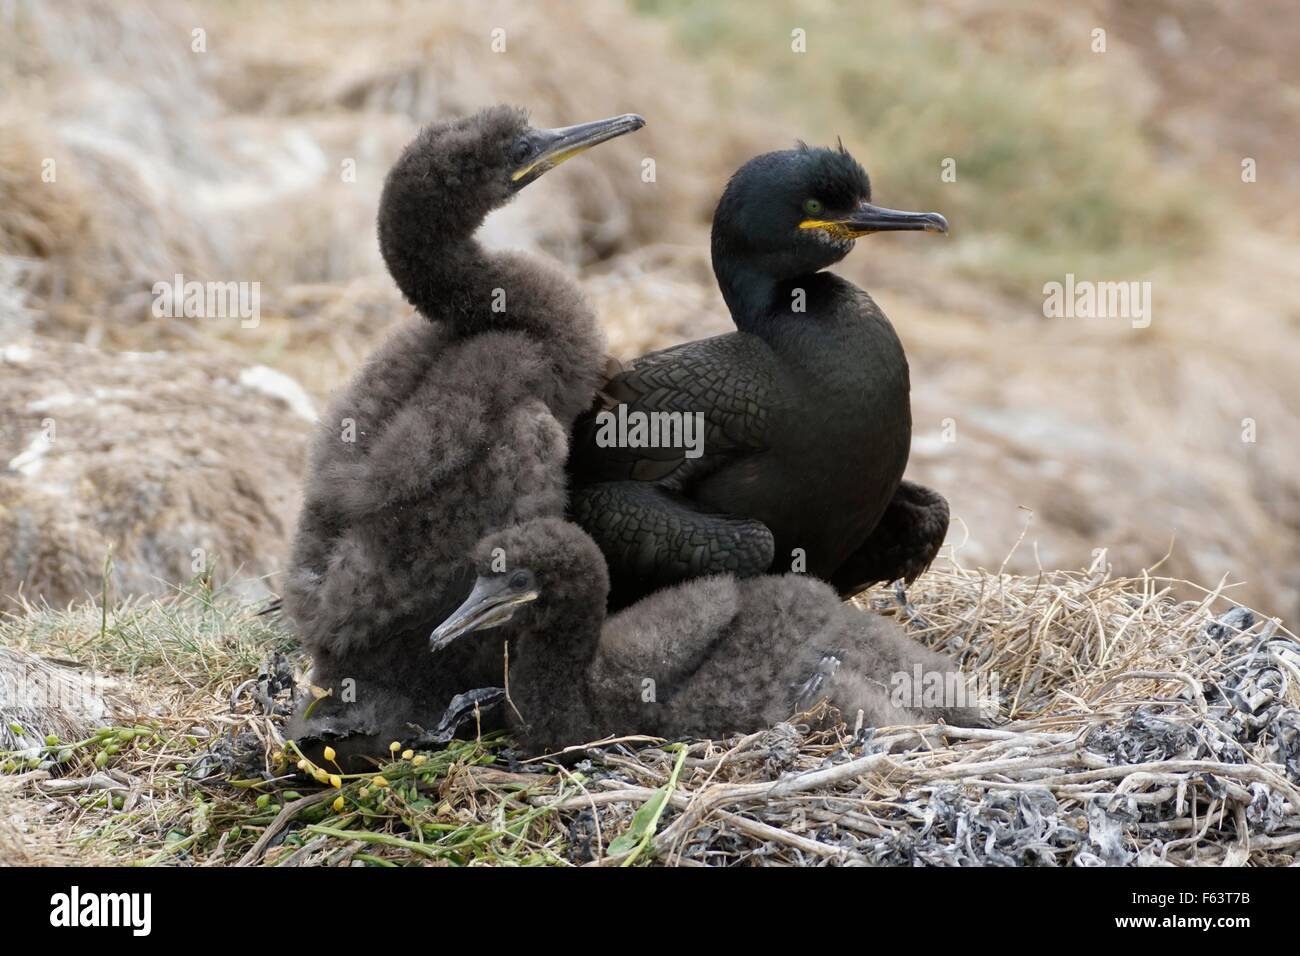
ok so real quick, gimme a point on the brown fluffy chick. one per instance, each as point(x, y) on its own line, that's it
point(705, 658)
point(455, 427)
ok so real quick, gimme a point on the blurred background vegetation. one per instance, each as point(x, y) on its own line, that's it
point(1030, 121)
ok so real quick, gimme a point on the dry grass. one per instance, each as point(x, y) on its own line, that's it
point(1136, 730)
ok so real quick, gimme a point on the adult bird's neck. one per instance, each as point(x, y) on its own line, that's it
point(749, 293)
point(763, 304)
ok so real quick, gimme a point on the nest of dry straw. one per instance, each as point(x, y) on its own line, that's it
point(1138, 729)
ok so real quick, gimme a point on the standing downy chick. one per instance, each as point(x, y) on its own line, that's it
point(705, 658)
point(456, 426)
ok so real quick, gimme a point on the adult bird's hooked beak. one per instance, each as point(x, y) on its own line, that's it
point(557, 145)
point(866, 219)
point(491, 603)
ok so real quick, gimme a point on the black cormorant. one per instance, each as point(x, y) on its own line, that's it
point(704, 658)
point(806, 414)
point(457, 425)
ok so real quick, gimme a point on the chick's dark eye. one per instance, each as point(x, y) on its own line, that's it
point(519, 580)
point(522, 150)
point(812, 207)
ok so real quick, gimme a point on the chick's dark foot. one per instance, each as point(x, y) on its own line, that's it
point(462, 708)
point(910, 614)
point(815, 687)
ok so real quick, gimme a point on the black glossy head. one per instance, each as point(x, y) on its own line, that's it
point(544, 566)
point(796, 211)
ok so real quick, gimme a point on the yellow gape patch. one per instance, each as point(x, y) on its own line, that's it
point(834, 228)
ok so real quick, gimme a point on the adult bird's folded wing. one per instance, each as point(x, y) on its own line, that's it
point(652, 538)
point(723, 383)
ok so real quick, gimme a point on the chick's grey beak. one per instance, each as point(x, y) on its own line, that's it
point(557, 145)
point(491, 603)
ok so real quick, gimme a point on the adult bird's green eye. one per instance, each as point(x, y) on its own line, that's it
point(812, 207)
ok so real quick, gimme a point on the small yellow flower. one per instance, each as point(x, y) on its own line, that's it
point(321, 776)
point(336, 781)
point(365, 792)
point(330, 754)
point(408, 754)
point(419, 761)
point(303, 765)
point(338, 804)
point(394, 747)
point(378, 781)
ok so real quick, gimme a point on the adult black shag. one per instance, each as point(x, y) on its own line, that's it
point(806, 413)
point(457, 425)
point(702, 659)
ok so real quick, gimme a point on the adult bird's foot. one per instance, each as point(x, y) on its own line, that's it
point(461, 709)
